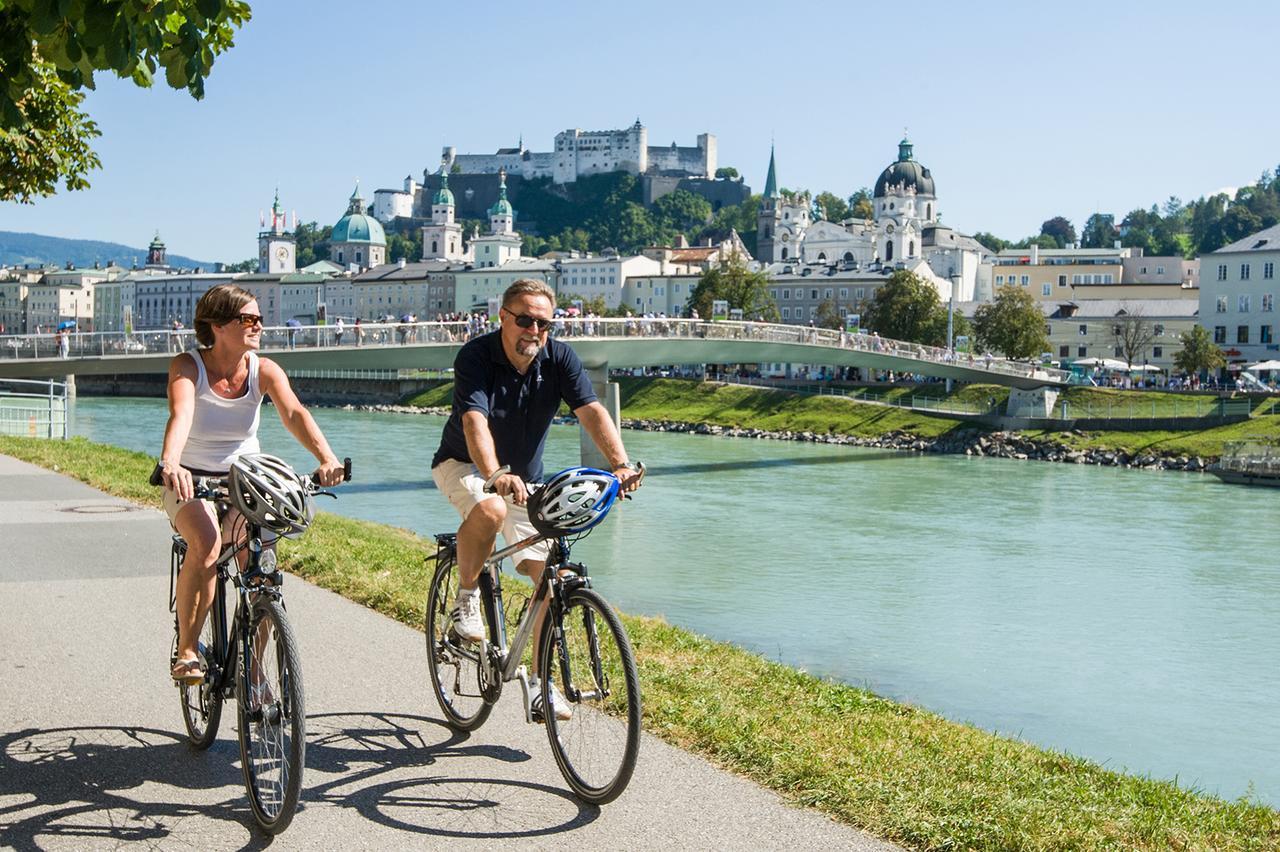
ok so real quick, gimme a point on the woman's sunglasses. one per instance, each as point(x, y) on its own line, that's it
point(524, 321)
point(247, 320)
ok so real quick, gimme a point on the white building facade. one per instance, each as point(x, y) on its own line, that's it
point(1238, 288)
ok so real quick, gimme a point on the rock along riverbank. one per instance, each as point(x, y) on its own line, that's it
point(969, 442)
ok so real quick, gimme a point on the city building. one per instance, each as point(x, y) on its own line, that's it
point(160, 298)
point(65, 296)
point(13, 305)
point(589, 152)
point(905, 230)
point(1095, 328)
point(277, 250)
point(358, 241)
point(800, 289)
point(476, 286)
point(389, 204)
point(424, 289)
point(442, 238)
point(1076, 274)
point(502, 243)
point(1238, 296)
point(603, 277)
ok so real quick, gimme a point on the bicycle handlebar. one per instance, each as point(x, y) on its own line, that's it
point(533, 486)
point(202, 482)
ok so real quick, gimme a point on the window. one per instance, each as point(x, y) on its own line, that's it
point(999, 280)
point(1264, 334)
point(1047, 290)
point(844, 292)
point(1075, 279)
point(1026, 279)
point(1082, 351)
point(1219, 334)
point(1062, 280)
point(1159, 270)
point(1222, 272)
point(860, 293)
point(1142, 270)
point(1159, 330)
point(1244, 272)
point(1108, 279)
point(1157, 351)
point(1242, 334)
point(1119, 350)
point(786, 313)
point(1268, 270)
point(1268, 302)
point(1064, 351)
point(813, 294)
point(1084, 329)
point(826, 294)
point(1222, 304)
point(1243, 303)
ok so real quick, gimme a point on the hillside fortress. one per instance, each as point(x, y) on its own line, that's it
point(579, 153)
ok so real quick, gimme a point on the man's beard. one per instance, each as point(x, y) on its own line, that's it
point(527, 348)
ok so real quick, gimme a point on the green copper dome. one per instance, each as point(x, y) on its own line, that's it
point(501, 207)
point(356, 226)
point(444, 195)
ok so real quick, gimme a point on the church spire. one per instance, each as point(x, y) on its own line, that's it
point(904, 148)
point(771, 182)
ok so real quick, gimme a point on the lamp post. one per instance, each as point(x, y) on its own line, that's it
point(951, 312)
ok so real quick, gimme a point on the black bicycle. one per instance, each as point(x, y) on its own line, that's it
point(253, 659)
point(582, 645)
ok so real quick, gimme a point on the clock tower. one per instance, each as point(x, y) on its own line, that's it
point(277, 252)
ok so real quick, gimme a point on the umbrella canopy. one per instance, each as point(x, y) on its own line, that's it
point(1145, 368)
point(66, 324)
point(1263, 365)
point(405, 318)
point(1104, 363)
point(293, 323)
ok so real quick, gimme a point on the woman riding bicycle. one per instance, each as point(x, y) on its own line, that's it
point(215, 396)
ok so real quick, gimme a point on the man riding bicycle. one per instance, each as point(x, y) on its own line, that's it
point(508, 385)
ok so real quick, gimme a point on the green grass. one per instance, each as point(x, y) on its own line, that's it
point(898, 771)
point(440, 396)
point(1206, 443)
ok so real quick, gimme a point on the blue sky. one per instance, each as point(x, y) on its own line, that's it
point(1022, 112)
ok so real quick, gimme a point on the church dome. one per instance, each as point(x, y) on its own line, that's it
point(356, 226)
point(906, 173)
point(443, 195)
point(501, 207)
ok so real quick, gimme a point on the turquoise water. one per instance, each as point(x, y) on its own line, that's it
point(1132, 617)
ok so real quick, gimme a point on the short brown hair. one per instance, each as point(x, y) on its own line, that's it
point(522, 286)
point(219, 305)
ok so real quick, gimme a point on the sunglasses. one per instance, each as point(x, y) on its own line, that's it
point(247, 320)
point(524, 321)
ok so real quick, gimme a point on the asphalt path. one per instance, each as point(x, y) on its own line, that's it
point(93, 752)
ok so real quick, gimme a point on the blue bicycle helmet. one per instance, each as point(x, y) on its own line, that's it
point(572, 501)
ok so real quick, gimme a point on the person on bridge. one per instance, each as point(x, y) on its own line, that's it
point(508, 385)
point(215, 397)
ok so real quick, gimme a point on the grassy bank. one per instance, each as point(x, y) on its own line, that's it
point(776, 410)
point(898, 771)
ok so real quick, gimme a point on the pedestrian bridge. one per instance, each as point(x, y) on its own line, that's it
point(600, 343)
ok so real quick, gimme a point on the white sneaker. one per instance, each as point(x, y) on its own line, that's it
point(559, 705)
point(466, 618)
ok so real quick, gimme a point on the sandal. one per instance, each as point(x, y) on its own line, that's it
point(188, 672)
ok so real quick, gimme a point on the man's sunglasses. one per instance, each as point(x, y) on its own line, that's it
point(524, 321)
point(247, 320)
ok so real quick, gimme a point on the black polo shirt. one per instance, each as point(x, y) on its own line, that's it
point(519, 408)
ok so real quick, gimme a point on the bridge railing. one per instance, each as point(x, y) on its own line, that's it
point(36, 409)
point(74, 344)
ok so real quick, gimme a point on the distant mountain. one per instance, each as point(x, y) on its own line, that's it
point(19, 249)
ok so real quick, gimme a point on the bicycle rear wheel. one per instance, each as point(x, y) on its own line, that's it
point(272, 716)
point(201, 704)
point(591, 659)
point(454, 664)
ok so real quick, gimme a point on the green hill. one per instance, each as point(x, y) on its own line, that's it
point(17, 249)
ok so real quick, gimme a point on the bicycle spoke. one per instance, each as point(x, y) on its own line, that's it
point(453, 664)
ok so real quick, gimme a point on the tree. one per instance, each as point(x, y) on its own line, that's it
point(993, 243)
point(1099, 231)
point(737, 285)
point(1133, 334)
point(49, 53)
point(1199, 354)
point(1061, 230)
point(726, 173)
point(250, 265)
point(906, 307)
point(828, 316)
point(1013, 324)
point(679, 212)
point(311, 242)
point(861, 206)
point(833, 206)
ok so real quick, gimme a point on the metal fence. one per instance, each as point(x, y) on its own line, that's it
point(1162, 408)
point(34, 409)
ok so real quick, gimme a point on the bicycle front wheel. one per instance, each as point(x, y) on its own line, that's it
point(590, 658)
point(272, 716)
point(454, 664)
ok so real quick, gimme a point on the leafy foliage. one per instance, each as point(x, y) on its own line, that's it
point(50, 51)
point(1199, 354)
point(906, 307)
point(312, 242)
point(735, 284)
point(1012, 324)
point(1060, 229)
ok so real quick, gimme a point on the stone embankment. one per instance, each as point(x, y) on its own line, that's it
point(970, 442)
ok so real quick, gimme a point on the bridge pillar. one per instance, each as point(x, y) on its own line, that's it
point(1033, 404)
point(71, 386)
point(607, 391)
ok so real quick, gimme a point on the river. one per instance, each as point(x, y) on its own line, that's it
point(1132, 617)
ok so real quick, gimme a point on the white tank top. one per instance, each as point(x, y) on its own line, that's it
point(222, 429)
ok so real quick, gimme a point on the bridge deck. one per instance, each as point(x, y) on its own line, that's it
point(599, 342)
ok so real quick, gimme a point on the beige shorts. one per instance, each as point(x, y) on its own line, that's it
point(172, 504)
point(463, 485)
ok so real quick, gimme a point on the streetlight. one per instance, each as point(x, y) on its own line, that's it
point(951, 312)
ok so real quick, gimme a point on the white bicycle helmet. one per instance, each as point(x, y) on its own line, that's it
point(267, 492)
point(572, 501)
